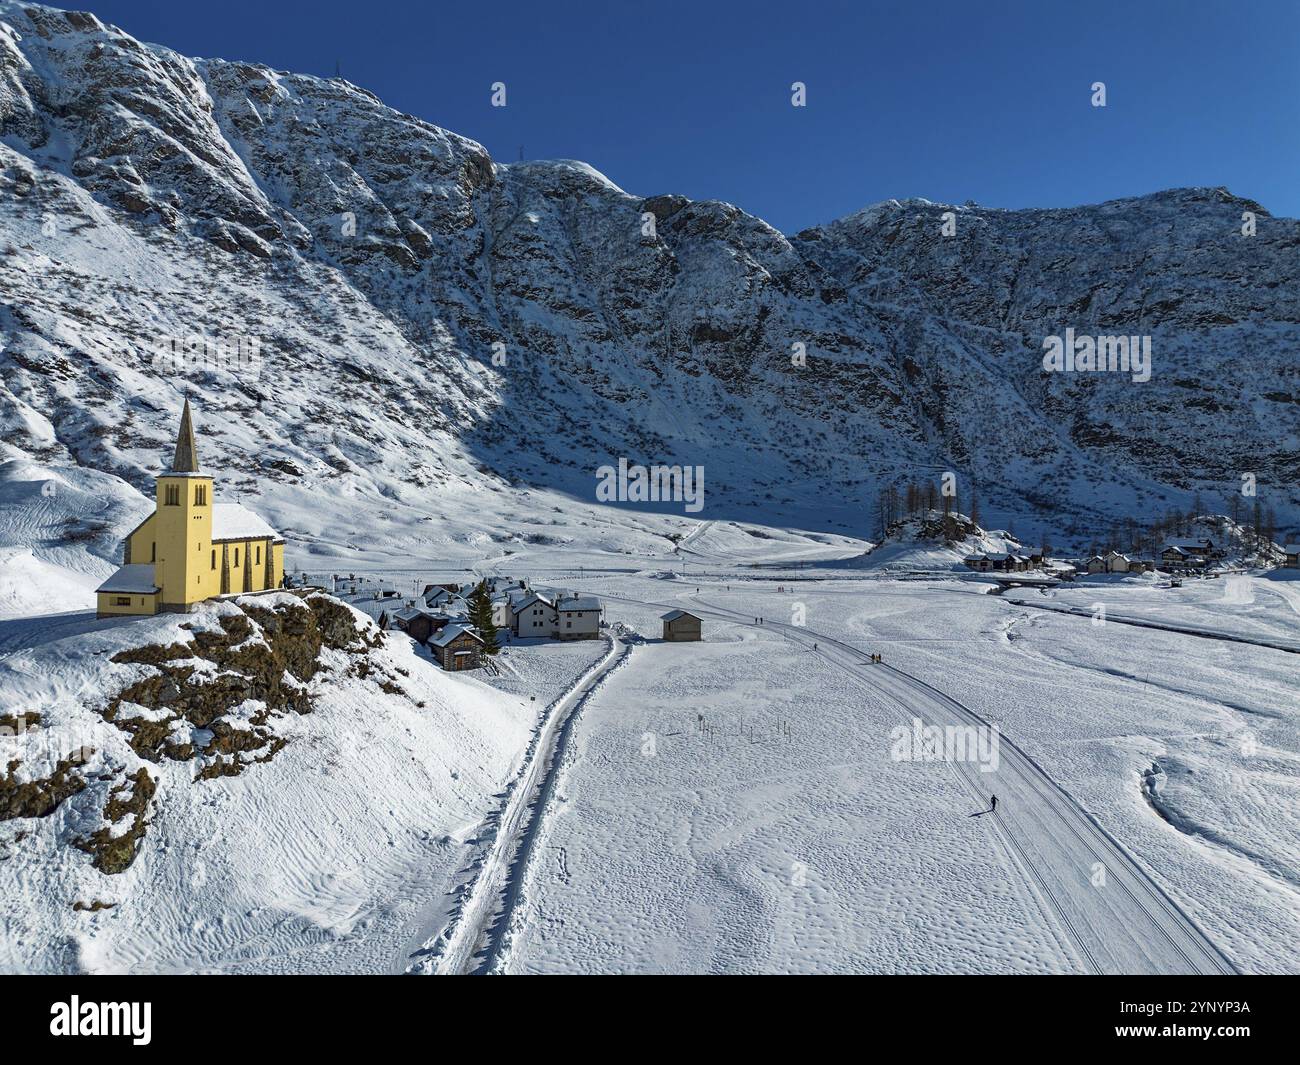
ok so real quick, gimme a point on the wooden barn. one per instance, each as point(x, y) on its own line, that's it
point(680, 626)
point(457, 646)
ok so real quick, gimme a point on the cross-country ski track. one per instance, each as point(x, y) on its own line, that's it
point(472, 942)
point(1116, 917)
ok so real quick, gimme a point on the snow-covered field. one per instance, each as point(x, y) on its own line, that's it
point(740, 850)
point(730, 805)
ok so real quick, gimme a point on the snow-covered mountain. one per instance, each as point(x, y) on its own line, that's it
point(440, 333)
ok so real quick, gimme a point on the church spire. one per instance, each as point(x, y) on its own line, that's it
point(187, 454)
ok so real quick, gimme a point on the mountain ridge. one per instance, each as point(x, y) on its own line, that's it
point(168, 179)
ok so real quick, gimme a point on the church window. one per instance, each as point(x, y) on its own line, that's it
point(171, 495)
point(214, 558)
point(200, 495)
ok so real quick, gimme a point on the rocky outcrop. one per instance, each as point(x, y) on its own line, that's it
point(214, 700)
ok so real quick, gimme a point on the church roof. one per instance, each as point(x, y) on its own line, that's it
point(234, 521)
point(135, 579)
point(186, 459)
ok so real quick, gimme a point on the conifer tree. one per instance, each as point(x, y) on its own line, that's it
point(480, 616)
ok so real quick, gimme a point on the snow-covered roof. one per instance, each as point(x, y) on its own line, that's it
point(1197, 542)
point(673, 615)
point(975, 558)
point(582, 602)
point(1292, 549)
point(451, 631)
point(526, 599)
point(1173, 547)
point(442, 597)
point(412, 612)
point(136, 579)
point(234, 521)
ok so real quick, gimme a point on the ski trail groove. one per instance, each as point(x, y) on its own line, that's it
point(470, 944)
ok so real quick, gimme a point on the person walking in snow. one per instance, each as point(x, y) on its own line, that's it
point(993, 805)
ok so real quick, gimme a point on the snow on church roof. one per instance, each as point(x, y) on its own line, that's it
point(133, 579)
point(234, 521)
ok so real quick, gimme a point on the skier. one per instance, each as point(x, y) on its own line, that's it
point(993, 805)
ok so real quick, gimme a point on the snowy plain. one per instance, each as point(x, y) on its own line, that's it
point(775, 835)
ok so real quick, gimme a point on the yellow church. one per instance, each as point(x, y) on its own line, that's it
point(191, 548)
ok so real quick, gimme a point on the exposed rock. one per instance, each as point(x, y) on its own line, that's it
point(316, 203)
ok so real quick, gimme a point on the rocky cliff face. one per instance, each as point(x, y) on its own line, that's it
point(430, 321)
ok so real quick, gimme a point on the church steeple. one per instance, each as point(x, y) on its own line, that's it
point(187, 453)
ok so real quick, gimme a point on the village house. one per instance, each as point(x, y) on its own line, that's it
point(191, 548)
point(532, 616)
point(1114, 562)
point(420, 622)
point(1004, 562)
point(439, 597)
point(578, 617)
point(430, 588)
point(681, 626)
point(1199, 547)
point(1292, 552)
point(457, 647)
point(1175, 556)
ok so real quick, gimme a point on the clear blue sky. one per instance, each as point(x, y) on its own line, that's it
point(987, 101)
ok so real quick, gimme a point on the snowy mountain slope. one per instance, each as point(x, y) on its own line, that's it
point(381, 263)
point(349, 818)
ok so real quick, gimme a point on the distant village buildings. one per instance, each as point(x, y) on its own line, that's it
point(439, 619)
point(1003, 562)
point(1175, 556)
